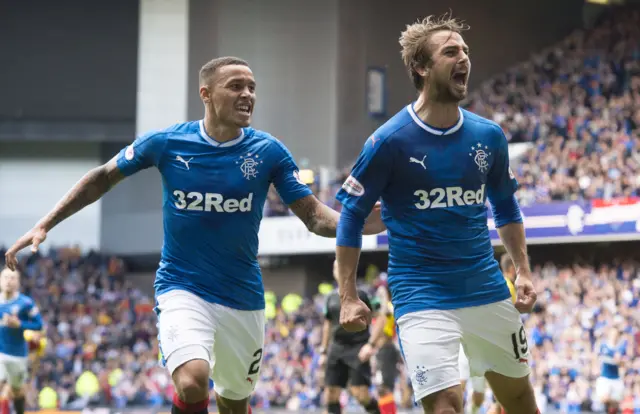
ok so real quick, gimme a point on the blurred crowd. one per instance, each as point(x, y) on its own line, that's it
point(577, 104)
point(102, 346)
point(579, 306)
point(101, 333)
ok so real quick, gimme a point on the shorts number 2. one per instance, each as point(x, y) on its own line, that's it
point(255, 365)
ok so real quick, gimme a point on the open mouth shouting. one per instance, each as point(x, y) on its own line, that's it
point(459, 76)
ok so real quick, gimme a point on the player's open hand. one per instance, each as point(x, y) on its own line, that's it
point(355, 315)
point(32, 238)
point(526, 294)
point(366, 352)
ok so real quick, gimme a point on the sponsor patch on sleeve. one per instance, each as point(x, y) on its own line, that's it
point(296, 175)
point(128, 154)
point(353, 187)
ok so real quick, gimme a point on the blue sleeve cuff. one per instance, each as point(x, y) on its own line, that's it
point(349, 232)
point(506, 211)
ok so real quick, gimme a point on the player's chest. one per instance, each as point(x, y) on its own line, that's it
point(235, 172)
point(463, 162)
point(13, 308)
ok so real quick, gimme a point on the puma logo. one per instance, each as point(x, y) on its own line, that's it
point(182, 160)
point(417, 161)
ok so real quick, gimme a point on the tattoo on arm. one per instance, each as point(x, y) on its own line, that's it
point(318, 218)
point(89, 189)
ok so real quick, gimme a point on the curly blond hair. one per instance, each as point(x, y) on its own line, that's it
point(414, 41)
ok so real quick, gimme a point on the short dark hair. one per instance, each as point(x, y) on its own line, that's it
point(209, 68)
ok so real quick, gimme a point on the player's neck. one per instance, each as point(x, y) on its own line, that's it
point(436, 114)
point(220, 132)
point(7, 296)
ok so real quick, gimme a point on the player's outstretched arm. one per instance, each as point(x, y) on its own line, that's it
point(319, 218)
point(96, 183)
point(89, 189)
point(323, 220)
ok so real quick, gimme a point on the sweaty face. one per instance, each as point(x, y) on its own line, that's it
point(233, 95)
point(449, 73)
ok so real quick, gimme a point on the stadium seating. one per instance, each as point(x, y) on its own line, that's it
point(98, 324)
point(578, 104)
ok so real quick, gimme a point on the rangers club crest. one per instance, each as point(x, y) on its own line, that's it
point(420, 375)
point(249, 165)
point(480, 157)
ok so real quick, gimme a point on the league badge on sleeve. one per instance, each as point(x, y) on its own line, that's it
point(296, 175)
point(128, 154)
point(353, 187)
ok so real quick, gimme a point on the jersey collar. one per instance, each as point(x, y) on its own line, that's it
point(11, 299)
point(210, 140)
point(432, 130)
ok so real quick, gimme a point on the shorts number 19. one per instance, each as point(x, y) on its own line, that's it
point(519, 342)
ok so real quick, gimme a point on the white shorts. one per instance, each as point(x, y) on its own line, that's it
point(230, 340)
point(608, 389)
point(493, 337)
point(478, 384)
point(13, 370)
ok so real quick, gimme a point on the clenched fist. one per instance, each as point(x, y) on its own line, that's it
point(526, 294)
point(355, 315)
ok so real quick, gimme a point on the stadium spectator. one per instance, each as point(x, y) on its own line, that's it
point(578, 104)
point(98, 325)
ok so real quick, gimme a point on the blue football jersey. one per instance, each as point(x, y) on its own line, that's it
point(214, 194)
point(608, 353)
point(433, 184)
point(12, 342)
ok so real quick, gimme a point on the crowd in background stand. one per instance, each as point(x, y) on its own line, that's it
point(102, 331)
point(576, 103)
